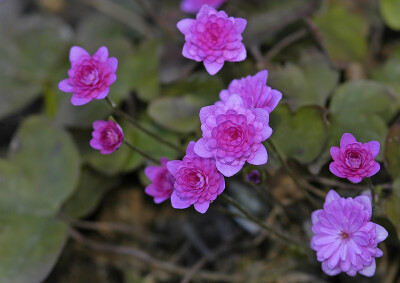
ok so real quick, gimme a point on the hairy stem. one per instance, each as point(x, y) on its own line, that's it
point(142, 153)
point(140, 127)
point(252, 218)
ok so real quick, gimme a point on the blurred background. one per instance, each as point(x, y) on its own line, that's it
point(70, 214)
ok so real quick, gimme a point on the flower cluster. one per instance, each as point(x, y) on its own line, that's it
point(213, 38)
point(354, 160)
point(345, 239)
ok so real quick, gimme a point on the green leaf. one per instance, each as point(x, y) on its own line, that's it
point(300, 136)
point(389, 74)
point(392, 150)
point(31, 51)
point(308, 83)
point(92, 187)
point(392, 206)
point(42, 169)
point(29, 246)
point(390, 10)
point(180, 114)
point(344, 33)
point(140, 70)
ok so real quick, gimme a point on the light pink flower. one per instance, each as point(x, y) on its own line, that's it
point(254, 91)
point(213, 38)
point(197, 181)
point(163, 182)
point(107, 136)
point(193, 6)
point(90, 77)
point(354, 160)
point(345, 239)
point(233, 134)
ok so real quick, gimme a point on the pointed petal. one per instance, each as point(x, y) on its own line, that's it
point(228, 170)
point(347, 139)
point(77, 100)
point(185, 25)
point(260, 156)
point(369, 271)
point(201, 207)
point(76, 53)
point(381, 233)
point(374, 147)
point(331, 196)
point(177, 202)
point(101, 54)
point(213, 68)
point(65, 86)
point(201, 150)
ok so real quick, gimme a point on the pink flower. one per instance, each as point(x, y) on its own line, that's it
point(163, 181)
point(354, 160)
point(193, 6)
point(90, 76)
point(254, 91)
point(213, 38)
point(233, 134)
point(345, 239)
point(197, 181)
point(107, 136)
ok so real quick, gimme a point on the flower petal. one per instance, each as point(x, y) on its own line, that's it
point(185, 25)
point(213, 68)
point(201, 207)
point(369, 271)
point(201, 150)
point(381, 233)
point(76, 53)
point(65, 86)
point(347, 139)
point(177, 202)
point(260, 156)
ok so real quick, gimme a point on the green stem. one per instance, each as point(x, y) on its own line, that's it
point(140, 127)
point(253, 219)
point(291, 174)
point(373, 194)
point(142, 153)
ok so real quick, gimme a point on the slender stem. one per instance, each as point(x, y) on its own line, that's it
point(291, 174)
point(158, 20)
point(140, 127)
point(373, 194)
point(252, 218)
point(142, 153)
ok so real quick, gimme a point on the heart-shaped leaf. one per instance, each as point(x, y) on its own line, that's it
point(40, 173)
point(300, 136)
point(346, 39)
point(390, 10)
point(309, 83)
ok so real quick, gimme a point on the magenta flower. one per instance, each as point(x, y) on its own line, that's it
point(197, 181)
point(193, 6)
point(233, 134)
point(354, 160)
point(107, 136)
point(213, 38)
point(254, 91)
point(90, 76)
point(163, 182)
point(345, 239)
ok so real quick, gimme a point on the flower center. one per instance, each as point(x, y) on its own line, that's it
point(109, 137)
point(344, 235)
point(354, 159)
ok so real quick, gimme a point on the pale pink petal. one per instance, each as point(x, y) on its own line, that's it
point(76, 53)
point(331, 196)
point(185, 25)
point(102, 94)
point(78, 100)
point(101, 54)
point(369, 271)
point(201, 150)
point(177, 202)
point(374, 148)
point(260, 156)
point(65, 86)
point(347, 139)
point(173, 166)
point(240, 24)
point(213, 68)
point(381, 233)
point(202, 207)
point(228, 170)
